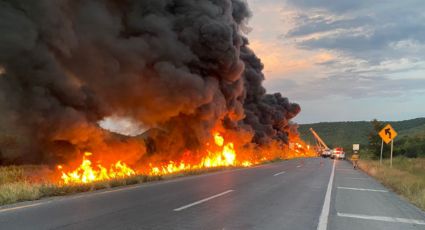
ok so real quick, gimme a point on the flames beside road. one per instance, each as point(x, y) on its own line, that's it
point(224, 155)
point(220, 153)
point(86, 172)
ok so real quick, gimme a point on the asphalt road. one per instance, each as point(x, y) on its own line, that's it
point(296, 194)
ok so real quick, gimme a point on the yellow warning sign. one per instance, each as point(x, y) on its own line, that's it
point(388, 133)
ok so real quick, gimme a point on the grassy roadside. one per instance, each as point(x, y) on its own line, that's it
point(407, 177)
point(21, 183)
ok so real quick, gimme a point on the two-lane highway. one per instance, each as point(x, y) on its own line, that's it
point(284, 195)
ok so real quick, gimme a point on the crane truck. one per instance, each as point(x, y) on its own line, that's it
point(321, 146)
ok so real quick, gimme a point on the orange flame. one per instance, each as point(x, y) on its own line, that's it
point(226, 156)
point(85, 173)
point(221, 154)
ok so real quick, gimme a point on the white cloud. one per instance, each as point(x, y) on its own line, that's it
point(316, 50)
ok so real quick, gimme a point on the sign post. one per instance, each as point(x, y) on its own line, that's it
point(382, 149)
point(391, 159)
point(388, 134)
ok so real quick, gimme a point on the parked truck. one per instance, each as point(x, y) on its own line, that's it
point(338, 153)
point(321, 147)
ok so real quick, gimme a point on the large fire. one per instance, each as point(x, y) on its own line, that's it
point(224, 156)
point(221, 154)
point(86, 173)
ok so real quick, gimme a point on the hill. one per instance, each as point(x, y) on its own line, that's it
point(347, 133)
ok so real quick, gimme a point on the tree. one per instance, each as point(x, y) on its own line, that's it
point(374, 138)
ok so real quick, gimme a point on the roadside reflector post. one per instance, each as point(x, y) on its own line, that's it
point(382, 149)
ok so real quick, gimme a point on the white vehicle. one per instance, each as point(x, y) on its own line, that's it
point(327, 153)
point(338, 153)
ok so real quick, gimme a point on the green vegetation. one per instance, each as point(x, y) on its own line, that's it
point(407, 177)
point(375, 141)
point(335, 134)
point(407, 144)
point(410, 141)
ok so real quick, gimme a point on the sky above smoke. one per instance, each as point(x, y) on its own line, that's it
point(343, 60)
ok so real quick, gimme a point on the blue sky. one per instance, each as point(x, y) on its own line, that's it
point(343, 60)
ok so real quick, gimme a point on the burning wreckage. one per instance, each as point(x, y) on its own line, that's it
point(181, 70)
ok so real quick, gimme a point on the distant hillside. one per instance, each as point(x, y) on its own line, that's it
point(347, 133)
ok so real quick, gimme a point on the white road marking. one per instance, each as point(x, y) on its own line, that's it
point(277, 174)
point(202, 201)
point(298, 166)
point(362, 189)
point(19, 207)
point(323, 221)
point(346, 170)
point(383, 218)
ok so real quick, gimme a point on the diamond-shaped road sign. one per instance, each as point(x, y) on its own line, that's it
point(388, 134)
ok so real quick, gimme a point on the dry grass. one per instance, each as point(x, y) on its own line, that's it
point(407, 177)
point(11, 174)
point(15, 185)
point(22, 183)
point(18, 191)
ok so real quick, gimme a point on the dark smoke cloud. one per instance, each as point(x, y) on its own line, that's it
point(268, 114)
point(182, 66)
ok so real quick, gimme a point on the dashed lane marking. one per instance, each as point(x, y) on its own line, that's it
point(363, 189)
point(202, 201)
point(279, 173)
point(357, 178)
point(382, 218)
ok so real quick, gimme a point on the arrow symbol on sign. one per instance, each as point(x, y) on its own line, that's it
point(388, 132)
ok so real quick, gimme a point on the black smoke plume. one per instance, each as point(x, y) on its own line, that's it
point(180, 66)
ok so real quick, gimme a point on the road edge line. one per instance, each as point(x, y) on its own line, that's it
point(19, 207)
point(323, 220)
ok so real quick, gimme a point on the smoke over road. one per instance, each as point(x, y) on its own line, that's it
point(180, 67)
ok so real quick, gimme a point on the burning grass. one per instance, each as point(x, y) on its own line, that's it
point(17, 183)
point(407, 177)
point(91, 172)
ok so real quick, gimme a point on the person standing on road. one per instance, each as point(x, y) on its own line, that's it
point(355, 159)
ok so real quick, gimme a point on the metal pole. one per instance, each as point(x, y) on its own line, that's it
point(391, 160)
point(382, 148)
